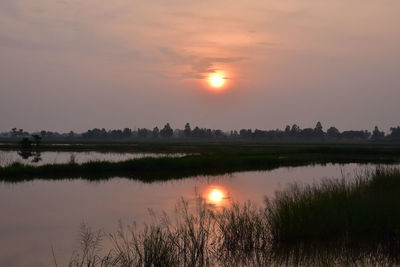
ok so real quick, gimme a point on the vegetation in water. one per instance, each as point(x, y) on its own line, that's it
point(206, 160)
point(335, 222)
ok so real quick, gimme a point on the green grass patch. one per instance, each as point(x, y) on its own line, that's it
point(208, 159)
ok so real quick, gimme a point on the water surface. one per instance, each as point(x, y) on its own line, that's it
point(39, 214)
point(49, 157)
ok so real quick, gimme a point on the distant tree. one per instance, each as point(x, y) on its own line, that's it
point(71, 134)
point(127, 132)
point(219, 133)
point(245, 133)
point(307, 134)
point(377, 135)
point(351, 135)
point(143, 133)
point(166, 131)
point(295, 130)
point(197, 132)
point(394, 134)
point(259, 134)
point(234, 134)
point(14, 132)
point(187, 131)
point(318, 128)
point(287, 129)
point(333, 133)
point(156, 132)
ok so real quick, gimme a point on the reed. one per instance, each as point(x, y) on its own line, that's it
point(336, 222)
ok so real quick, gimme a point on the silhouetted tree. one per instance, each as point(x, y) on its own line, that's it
point(127, 132)
point(295, 130)
point(318, 127)
point(167, 131)
point(234, 134)
point(245, 133)
point(333, 133)
point(156, 132)
point(219, 134)
point(306, 134)
point(71, 134)
point(289, 133)
point(351, 135)
point(187, 131)
point(377, 135)
point(143, 133)
point(319, 132)
point(394, 134)
point(14, 132)
point(287, 129)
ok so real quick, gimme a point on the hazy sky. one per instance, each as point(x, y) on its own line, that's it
point(74, 64)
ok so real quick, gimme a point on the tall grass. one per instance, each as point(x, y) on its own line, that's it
point(361, 216)
point(336, 222)
point(367, 207)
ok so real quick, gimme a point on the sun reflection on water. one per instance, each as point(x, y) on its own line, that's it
point(216, 195)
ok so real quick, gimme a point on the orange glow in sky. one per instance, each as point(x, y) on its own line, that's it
point(217, 80)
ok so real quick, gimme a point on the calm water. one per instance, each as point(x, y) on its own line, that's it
point(40, 214)
point(32, 158)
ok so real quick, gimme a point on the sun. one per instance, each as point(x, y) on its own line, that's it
point(216, 80)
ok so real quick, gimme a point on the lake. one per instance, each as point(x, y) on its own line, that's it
point(49, 157)
point(40, 214)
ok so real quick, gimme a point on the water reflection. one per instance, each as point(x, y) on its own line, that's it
point(37, 158)
point(217, 196)
point(45, 213)
point(27, 154)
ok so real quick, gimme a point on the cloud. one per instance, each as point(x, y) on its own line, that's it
point(9, 8)
point(201, 66)
point(176, 57)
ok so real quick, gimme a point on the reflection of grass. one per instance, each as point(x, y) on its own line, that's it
point(211, 159)
point(333, 223)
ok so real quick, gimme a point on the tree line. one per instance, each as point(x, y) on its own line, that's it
point(289, 133)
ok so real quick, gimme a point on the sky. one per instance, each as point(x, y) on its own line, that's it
point(76, 65)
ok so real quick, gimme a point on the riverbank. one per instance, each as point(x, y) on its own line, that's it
point(206, 160)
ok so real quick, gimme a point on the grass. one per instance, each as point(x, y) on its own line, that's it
point(363, 211)
point(335, 209)
point(208, 159)
point(335, 222)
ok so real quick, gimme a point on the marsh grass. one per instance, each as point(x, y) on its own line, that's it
point(336, 222)
point(366, 207)
point(219, 160)
point(359, 216)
